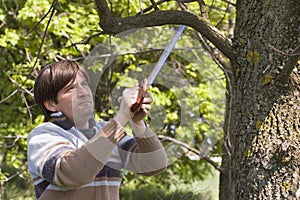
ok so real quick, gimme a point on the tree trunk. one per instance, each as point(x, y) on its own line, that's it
point(265, 101)
point(226, 189)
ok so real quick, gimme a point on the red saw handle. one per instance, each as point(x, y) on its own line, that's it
point(143, 88)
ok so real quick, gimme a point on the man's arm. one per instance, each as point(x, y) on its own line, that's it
point(143, 154)
point(54, 158)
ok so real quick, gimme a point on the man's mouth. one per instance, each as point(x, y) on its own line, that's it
point(85, 103)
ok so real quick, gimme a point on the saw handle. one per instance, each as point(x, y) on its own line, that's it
point(143, 88)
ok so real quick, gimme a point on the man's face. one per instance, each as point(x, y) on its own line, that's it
point(76, 102)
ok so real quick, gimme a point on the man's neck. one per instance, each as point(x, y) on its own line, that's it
point(82, 126)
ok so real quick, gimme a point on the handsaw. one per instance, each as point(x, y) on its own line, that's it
point(146, 83)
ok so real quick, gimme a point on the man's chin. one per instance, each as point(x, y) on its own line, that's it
point(83, 115)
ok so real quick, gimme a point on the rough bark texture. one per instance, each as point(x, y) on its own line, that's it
point(265, 109)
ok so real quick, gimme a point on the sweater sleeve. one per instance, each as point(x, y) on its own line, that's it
point(52, 156)
point(143, 155)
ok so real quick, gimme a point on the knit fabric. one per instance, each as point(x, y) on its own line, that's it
point(64, 164)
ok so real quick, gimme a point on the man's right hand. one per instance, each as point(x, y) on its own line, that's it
point(127, 99)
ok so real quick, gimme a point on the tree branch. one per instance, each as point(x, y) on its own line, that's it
point(289, 65)
point(103, 11)
point(151, 6)
point(111, 25)
point(189, 148)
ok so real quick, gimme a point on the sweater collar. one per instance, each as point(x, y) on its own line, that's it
point(61, 120)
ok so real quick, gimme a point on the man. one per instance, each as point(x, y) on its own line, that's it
point(72, 157)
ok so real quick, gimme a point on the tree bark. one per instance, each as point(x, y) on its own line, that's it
point(265, 134)
point(114, 25)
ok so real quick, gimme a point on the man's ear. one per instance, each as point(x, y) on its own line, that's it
point(50, 105)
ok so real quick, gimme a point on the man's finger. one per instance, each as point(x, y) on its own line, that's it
point(146, 106)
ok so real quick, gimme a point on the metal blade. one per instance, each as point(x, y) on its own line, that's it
point(165, 55)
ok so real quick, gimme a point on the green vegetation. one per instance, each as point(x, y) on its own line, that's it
point(189, 93)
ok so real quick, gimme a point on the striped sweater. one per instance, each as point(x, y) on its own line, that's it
point(65, 165)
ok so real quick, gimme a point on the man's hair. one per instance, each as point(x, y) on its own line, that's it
point(51, 79)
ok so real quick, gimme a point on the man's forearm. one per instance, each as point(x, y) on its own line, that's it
point(138, 128)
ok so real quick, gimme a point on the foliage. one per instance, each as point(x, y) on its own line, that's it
point(192, 114)
point(157, 192)
point(188, 104)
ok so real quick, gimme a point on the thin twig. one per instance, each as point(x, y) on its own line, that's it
point(9, 96)
point(84, 41)
point(20, 88)
point(42, 19)
point(189, 148)
point(150, 7)
point(27, 106)
point(229, 2)
point(284, 53)
point(14, 137)
point(52, 8)
point(13, 176)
